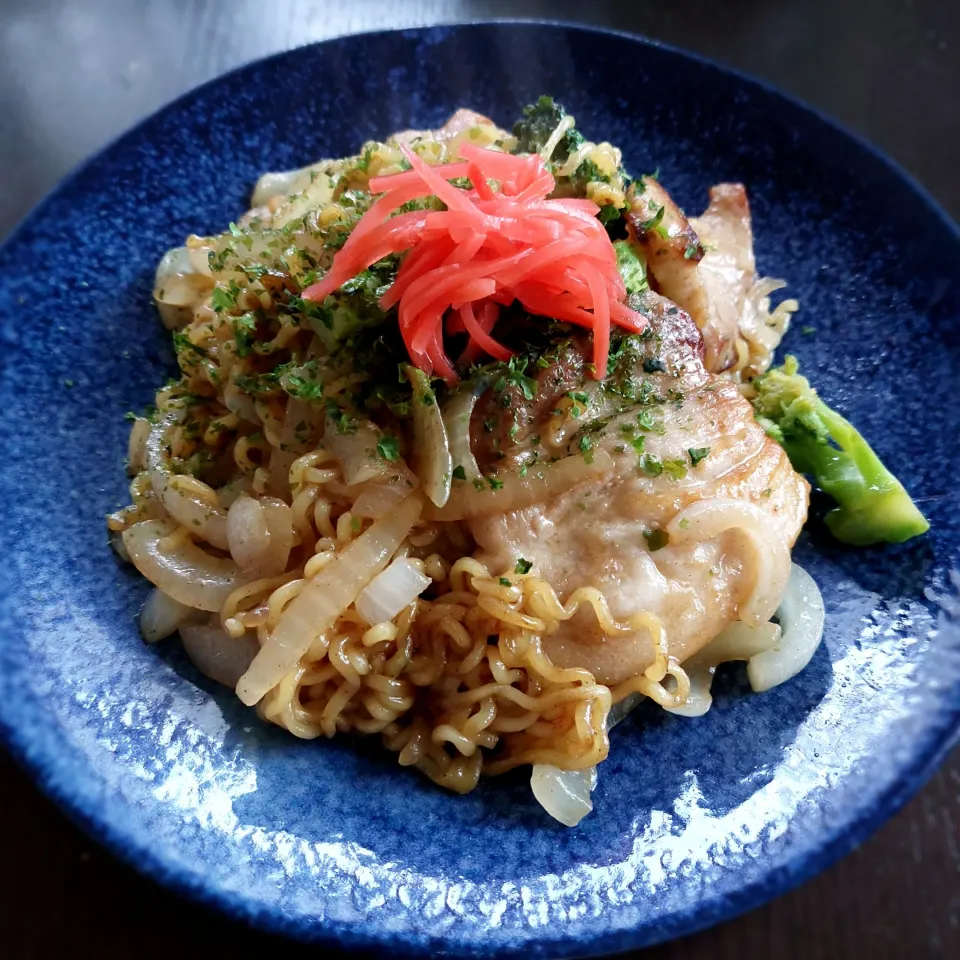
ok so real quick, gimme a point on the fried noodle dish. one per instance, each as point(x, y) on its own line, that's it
point(476, 444)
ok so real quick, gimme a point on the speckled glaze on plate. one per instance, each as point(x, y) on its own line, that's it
point(695, 820)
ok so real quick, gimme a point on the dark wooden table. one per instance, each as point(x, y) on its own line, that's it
point(74, 73)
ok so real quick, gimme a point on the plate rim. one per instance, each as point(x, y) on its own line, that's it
point(49, 771)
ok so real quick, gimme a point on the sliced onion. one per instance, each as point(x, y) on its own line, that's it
point(207, 520)
point(301, 430)
point(281, 184)
point(801, 616)
point(217, 655)
point(433, 463)
point(162, 616)
point(155, 449)
point(457, 415)
point(182, 283)
point(541, 482)
point(260, 534)
point(137, 445)
point(280, 524)
point(240, 403)
point(324, 598)
point(699, 699)
point(201, 516)
point(389, 592)
point(564, 794)
point(737, 641)
point(378, 499)
point(186, 573)
point(358, 453)
point(282, 458)
point(248, 535)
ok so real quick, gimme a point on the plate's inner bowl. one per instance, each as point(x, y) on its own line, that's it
point(692, 817)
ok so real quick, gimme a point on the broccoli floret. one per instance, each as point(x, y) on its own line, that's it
point(631, 267)
point(539, 120)
point(872, 505)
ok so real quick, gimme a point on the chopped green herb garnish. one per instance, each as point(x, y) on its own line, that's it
point(654, 221)
point(696, 454)
point(225, 298)
point(675, 468)
point(652, 466)
point(523, 566)
point(389, 448)
point(645, 420)
point(656, 539)
point(504, 582)
point(654, 365)
point(244, 328)
point(459, 473)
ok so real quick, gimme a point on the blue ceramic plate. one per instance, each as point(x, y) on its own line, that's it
point(695, 820)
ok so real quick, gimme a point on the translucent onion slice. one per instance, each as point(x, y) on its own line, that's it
point(737, 641)
point(541, 482)
point(280, 524)
point(359, 453)
point(774, 652)
point(137, 445)
point(216, 655)
point(280, 184)
point(316, 608)
point(185, 572)
point(260, 533)
point(801, 616)
point(202, 515)
point(457, 415)
point(564, 794)
point(378, 499)
point(433, 464)
point(162, 616)
point(181, 284)
point(389, 592)
point(248, 535)
point(240, 403)
point(189, 501)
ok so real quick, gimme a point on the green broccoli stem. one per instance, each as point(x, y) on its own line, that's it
point(872, 505)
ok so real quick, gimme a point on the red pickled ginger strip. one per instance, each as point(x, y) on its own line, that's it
point(498, 241)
